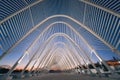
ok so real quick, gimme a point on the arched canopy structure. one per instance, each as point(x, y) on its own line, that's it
point(64, 33)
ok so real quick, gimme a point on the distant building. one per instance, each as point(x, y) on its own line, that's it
point(113, 62)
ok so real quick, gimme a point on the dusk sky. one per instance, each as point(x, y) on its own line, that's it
point(11, 58)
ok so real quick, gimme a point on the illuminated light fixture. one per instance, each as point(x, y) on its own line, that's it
point(118, 61)
point(21, 59)
point(26, 52)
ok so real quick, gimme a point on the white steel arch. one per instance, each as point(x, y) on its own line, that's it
point(79, 36)
point(54, 16)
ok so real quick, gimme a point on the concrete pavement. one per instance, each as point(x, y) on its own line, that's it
point(65, 76)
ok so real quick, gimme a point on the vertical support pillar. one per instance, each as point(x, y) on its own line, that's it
point(16, 63)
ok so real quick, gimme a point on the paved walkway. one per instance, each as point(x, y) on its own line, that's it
point(64, 76)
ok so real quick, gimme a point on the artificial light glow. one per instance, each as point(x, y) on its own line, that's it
point(21, 59)
point(118, 61)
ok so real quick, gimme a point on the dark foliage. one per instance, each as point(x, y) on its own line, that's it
point(3, 70)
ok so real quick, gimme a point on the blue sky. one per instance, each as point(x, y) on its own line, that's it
point(12, 57)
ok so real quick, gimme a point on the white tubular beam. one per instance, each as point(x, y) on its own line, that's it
point(74, 56)
point(64, 61)
point(65, 35)
point(100, 7)
point(70, 27)
point(89, 46)
point(85, 43)
point(38, 1)
point(51, 52)
point(54, 16)
point(62, 34)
